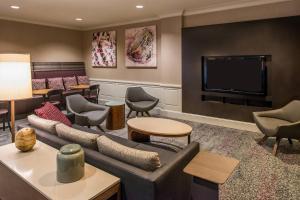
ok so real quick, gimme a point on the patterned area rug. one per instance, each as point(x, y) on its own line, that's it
point(259, 176)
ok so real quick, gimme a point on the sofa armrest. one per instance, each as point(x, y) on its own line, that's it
point(171, 175)
point(278, 113)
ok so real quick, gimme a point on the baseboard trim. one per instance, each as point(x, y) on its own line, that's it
point(246, 126)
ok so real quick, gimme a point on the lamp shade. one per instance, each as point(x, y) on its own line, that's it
point(15, 76)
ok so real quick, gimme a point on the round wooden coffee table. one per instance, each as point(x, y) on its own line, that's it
point(140, 129)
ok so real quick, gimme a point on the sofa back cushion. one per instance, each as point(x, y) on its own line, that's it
point(56, 83)
point(38, 84)
point(69, 81)
point(83, 80)
point(85, 139)
point(146, 160)
point(43, 124)
point(51, 112)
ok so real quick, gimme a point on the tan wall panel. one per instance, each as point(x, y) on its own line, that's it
point(44, 44)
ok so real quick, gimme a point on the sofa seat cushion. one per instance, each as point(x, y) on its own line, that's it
point(38, 84)
point(56, 83)
point(95, 117)
point(43, 124)
point(269, 126)
point(88, 140)
point(51, 112)
point(146, 160)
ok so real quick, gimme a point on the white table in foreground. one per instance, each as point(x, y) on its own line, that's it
point(32, 175)
point(140, 129)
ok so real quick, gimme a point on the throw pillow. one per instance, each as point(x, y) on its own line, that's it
point(38, 84)
point(56, 83)
point(69, 81)
point(85, 139)
point(146, 160)
point(43, 124)
point(51, 112)
point(83, 80)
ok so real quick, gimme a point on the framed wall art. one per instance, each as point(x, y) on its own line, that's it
point(140, 47)
point(104, 49)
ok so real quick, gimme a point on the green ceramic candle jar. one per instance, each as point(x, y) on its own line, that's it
point(70, 163)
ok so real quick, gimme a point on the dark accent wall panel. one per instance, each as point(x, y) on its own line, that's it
point(279, 38)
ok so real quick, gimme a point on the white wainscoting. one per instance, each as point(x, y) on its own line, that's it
point(170, 104)
point(169, 95)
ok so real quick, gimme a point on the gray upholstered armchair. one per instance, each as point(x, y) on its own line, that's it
point(138, 100)
point(280, 123)
point(86, 113)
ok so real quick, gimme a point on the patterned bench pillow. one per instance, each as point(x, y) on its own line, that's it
point(56, 83)
point(38, 84)
point(83, 80)
point(69, 81)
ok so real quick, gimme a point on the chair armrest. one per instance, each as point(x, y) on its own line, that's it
point(92, 106)
point(278, 113)
point(291, 130)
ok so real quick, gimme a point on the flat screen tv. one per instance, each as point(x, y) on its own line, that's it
point(235, 74)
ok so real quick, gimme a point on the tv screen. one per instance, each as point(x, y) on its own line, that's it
point(234, 74)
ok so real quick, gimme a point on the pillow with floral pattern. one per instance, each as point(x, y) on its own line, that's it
point(69, 81)
point(38, 84)
point(83, 80)
point(56, 83)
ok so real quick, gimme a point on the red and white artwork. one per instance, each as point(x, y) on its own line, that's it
point(104, 49)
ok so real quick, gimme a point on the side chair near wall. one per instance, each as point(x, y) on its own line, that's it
point(86, 113)
point(140, 101)
point(15, 81)
point(93, 93)
point(4, 117)
point(280, 123)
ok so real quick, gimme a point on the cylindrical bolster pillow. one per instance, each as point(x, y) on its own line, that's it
point(146, 160)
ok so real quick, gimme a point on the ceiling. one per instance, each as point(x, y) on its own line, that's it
point(99, 13)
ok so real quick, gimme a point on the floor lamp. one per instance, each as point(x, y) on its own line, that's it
point(15, 81)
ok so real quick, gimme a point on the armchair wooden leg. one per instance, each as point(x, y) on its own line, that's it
point(290, 141)
point(262, 141)
point(276, 146)
point(148, 113)
point(130, 111)
point(101, 128)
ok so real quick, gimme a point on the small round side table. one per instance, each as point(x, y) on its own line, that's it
point(116, 116)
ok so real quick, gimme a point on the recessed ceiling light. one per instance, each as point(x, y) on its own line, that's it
point(78, 19)
point(139, 6)
point(15, 7)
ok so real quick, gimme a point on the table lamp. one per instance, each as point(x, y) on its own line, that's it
point(15, 81)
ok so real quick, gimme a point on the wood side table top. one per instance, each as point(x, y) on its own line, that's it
point(38, 169)
point(80, 87)
point(159, 127)
point(41, 92)
point(211, 167)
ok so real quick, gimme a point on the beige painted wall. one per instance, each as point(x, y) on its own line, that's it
point(168, 54)
point(45, 44)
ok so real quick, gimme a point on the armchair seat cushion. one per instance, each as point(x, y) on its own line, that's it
point(93, 116)
point(143, 105)
point(269, 126)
